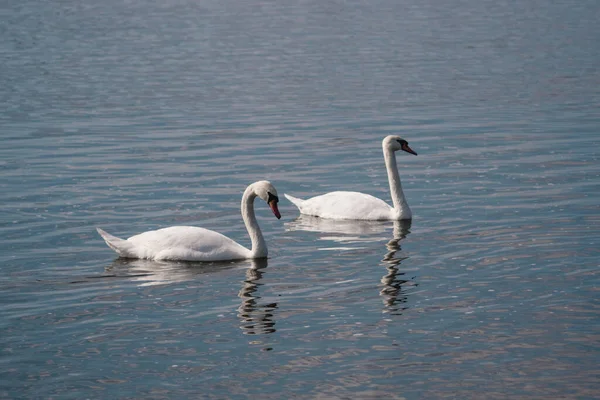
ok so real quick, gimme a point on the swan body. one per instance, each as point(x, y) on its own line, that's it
point(344, 205)
point(360, 206)
point(190, 243)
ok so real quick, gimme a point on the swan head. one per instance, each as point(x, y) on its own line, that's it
point(266, 191)
point(396, 143)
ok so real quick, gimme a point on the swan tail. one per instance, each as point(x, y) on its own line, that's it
point(121, 246)
point(296, 201)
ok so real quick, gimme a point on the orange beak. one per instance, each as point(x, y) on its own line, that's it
point(407, 149)
point(273, 205)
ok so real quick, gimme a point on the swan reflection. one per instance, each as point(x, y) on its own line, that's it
point(255, 318)
point(394, 285)
point(341, 231)
point(150, 272)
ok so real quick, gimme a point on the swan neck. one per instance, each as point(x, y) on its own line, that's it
point(259, 247)
point(401, 208)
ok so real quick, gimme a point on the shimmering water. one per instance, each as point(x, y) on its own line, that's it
point(143, 114)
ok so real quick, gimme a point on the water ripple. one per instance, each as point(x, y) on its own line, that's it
point(140, 115)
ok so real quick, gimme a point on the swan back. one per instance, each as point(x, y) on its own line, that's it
point(344, 205)
point(187, 243)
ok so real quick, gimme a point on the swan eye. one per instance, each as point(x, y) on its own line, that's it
point(272, 197)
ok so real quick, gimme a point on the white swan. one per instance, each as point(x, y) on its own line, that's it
point(361, 206)
point(190, 243)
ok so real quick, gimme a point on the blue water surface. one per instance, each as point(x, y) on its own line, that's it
point(143, 114)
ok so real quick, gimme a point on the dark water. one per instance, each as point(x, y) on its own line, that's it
point(143, 114)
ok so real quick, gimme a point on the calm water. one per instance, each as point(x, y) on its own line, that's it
point(143, 114)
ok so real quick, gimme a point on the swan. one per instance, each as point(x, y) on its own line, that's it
point(361, 206)
point(190, 243)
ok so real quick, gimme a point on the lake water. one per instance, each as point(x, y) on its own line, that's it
point(143, 114)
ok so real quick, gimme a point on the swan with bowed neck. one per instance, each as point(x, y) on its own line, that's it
point(190, 243)
point(361, 206)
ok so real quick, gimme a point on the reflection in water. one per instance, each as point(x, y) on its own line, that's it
point(255, 319)
point(341, 231)
point(394, 286)
point(150, 272)
point(352, 231)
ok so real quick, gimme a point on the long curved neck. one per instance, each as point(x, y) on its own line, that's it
point(259, 247)
point(401, 208)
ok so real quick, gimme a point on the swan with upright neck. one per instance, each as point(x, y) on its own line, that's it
point(190, 243)
point(361, 206)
